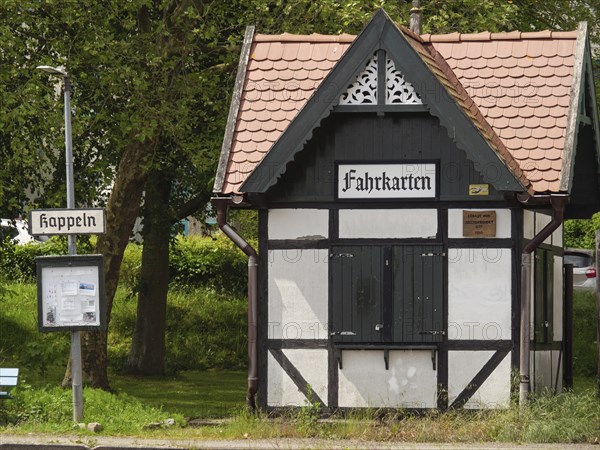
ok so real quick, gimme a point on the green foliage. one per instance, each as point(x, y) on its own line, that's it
point(205, 329)
point(581, 233)
point(209, 261)
point(50, 409)
point(17, 262)
point(584, 336)
point(308, 415)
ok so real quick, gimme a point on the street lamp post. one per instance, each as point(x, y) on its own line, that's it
point(76, 375)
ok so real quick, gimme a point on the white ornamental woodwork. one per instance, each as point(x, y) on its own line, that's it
point(398, 90)
point(364, 90)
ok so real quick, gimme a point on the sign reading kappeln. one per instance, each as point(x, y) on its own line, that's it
point(386, 181)
point(66, 221)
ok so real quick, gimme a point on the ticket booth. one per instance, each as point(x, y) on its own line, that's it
point(411, 192)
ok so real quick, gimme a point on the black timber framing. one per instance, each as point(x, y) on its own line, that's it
point(399, 204)
point(380, 33)
point(332, 360)
point(263, 306)
point(517, 235)
point(442, 348)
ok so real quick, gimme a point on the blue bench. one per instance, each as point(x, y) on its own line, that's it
point(8, 380)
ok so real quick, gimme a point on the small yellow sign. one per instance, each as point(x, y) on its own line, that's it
point(479, 189)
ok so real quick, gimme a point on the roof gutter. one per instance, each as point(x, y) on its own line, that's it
point(558, 203)
point(222, 205)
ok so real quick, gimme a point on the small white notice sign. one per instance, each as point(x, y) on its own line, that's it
point(386, 181)
point(66, 221)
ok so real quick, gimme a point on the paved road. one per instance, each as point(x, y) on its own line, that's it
point(47, 442)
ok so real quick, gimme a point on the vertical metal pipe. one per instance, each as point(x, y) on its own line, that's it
point(558, 203)
point(69, 160)
point(222, 206)
point(76, 365)
point(416, 17)
point(525, 328)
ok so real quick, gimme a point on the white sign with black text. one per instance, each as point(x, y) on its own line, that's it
point(386, 181)
point(67, 221)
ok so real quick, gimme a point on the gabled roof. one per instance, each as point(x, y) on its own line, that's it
point(514, 88)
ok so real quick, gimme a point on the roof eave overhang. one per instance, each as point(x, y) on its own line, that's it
point(233, 110)
point(568, 160)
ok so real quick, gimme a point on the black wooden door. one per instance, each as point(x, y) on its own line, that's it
point(417, 305)
point(357, 293)
point(390, 294)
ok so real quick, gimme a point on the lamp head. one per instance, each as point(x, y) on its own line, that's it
point(60, 71)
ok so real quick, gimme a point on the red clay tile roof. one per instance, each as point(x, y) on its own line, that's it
point(521, 83)
point(517, 84)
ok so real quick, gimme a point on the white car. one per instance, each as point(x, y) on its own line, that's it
point(584, 271)
point(16, 230)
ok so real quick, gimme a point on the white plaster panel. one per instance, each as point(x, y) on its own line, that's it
point(410, 381)
point(557, 313)
point(298, 223)
point(388, 223)
point(281, 390)
point(455, 223)
point(541, 220)
point(313, 366)
point(557, 237)
point(541, 371)
point(493, 393)
point(479, 293)
point(528, 224)
point(298, 294)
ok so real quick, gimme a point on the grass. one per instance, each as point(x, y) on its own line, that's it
point(198, 314)
point(198, 394)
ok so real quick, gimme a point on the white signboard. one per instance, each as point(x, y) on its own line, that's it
point(66, 221)
point(386, 181)
point(70, 292)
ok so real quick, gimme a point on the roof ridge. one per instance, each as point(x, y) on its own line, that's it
point(449, 37)
point(507, 35)
point(314, 37)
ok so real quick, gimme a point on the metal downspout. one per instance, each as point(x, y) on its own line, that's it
point(222, 205)
point(558, 203)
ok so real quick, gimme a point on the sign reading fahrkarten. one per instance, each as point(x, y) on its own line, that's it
point(386, 181)
point(66, 221)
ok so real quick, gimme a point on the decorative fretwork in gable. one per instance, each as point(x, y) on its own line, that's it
point(364, 91)
point(398, 91)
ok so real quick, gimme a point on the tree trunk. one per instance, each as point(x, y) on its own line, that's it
point(122, 210)
point(147, 355)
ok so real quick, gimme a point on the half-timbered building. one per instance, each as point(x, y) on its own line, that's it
point(411, 191)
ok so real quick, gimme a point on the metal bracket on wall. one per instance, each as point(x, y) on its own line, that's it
point(338, 355)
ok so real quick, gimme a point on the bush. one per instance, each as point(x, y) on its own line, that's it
point(17, 262)
point(213, 262)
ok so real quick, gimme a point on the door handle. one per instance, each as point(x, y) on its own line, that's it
point(342, 333)
point(378, 326)
point(433, 332)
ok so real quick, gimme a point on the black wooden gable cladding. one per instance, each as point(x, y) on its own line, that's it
point(398, 137)
point(380, 34)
